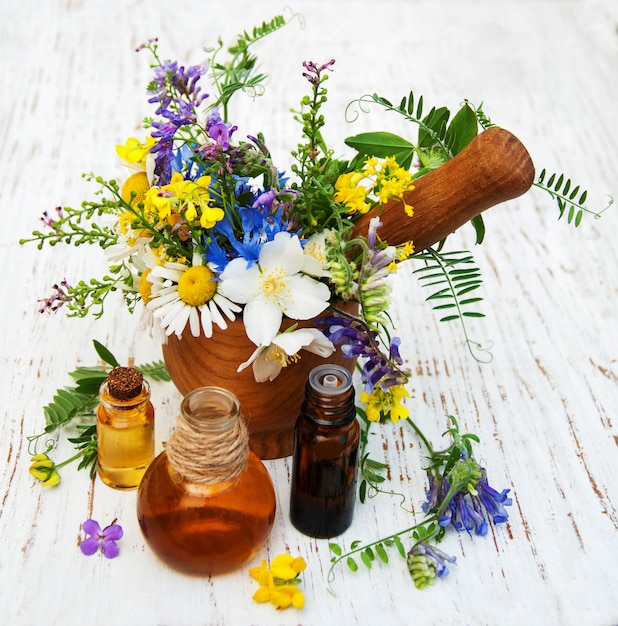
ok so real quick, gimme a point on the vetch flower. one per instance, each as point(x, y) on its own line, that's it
point(181, 294)
point(279, 583)
point(104, 540)
point(464, 498)
point(425, 562)
point(268, 361)
point(45, 470)
point(134, 152)
point(273, 287)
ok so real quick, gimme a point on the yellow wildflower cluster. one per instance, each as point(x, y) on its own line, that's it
point(44, 469)
point(278, 584)
point(381, 402)
point(386, 179)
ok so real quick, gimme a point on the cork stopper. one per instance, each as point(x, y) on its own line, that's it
point(124, 383)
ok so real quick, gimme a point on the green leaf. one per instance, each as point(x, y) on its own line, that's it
point(381, 552)
point(382, 145)
point(462, 129)
point(433, 127)
point(479, 226)
point(105, 354)
point(362, 491)
point(352, 565)
point(367, 557)
point(400, 547)
point(335, 548)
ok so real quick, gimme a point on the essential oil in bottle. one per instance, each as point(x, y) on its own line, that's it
point(324, 461)
point(207, 504)
point(125, 428)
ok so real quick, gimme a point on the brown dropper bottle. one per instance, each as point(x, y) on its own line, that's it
point(325, 455)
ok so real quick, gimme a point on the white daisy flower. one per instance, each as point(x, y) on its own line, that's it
point(182, 294)
point(272, 287)
point(268, 361)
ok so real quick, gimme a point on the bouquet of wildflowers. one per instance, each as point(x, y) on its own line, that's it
point(207, 230)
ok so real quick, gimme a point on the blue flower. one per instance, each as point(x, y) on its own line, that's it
point(469, 498)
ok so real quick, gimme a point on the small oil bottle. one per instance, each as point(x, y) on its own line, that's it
point(125, 428)
point(325, 454)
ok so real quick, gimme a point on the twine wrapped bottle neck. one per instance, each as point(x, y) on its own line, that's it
point(210, 444)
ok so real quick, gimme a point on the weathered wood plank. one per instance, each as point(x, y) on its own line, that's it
point(544, 406)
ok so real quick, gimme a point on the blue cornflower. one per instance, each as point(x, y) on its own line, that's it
point(105, 539)
point(425, 562)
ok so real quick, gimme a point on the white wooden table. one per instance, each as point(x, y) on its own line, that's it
point(544, 407)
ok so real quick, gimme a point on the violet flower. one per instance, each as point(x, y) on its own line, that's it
point(58, 298)
point(105, 539)
point(464, 498)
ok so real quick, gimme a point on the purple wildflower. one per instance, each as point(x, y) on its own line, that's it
point(59, 297)
point(358, 341)
point(472, 500)
point(176, 91)
point(425, 562)
point(314, 70)
point(50, 221)
point(104, 539)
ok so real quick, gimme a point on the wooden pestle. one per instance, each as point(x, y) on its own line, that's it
point(493, 168)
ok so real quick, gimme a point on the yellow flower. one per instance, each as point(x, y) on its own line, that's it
point(405, 251)
point(278, 583)
point(186, 198)
point(134, 152)
point(350, 193)
point(386, 403)
point(137, 183)
point(44, 469)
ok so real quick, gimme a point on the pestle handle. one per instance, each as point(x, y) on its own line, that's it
point(493, 168)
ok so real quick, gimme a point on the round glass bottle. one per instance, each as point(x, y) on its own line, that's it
point(125, 428)
point(206, 504)
point(325, 454)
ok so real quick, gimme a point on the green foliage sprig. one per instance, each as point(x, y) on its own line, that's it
point(569, 197)
point(239, 72)
point(455, 277)
point(76, 405)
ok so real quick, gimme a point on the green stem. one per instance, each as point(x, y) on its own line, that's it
point(421, 436)
point(338, 559)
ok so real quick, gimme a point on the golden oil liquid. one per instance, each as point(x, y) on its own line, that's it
point(212, 533)
point(126, 445)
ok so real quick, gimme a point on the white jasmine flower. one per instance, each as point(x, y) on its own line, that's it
point(268, 361)
point(182, 294)
point(315, 255)
point(272, 287)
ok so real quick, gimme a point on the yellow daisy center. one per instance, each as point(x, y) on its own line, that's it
point(138, 183)
point(145, 286)
point(196, 286)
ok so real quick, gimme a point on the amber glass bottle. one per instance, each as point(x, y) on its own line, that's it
point(325, 455)
point(125, 428)
point(206, 505)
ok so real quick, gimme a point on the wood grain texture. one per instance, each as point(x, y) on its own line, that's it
point(544, 406)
